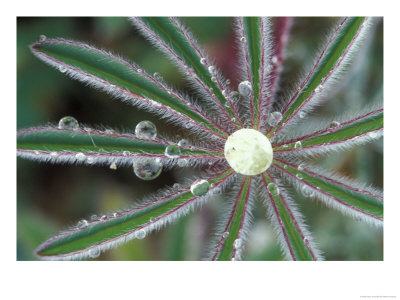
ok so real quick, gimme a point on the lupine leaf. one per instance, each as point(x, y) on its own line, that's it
point(255, 55)
point(231, 241)
point(99, 145)
point(122, 79)
point(356, 202)
point(298, 244)
point(332, 58)
point(354, 131)
point(135, 223)
point(169, 35)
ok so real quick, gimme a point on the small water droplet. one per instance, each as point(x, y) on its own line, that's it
point(211, 69)
point(42, 38)
point(225, 234)
point(274, 118)
point(243, 39)
point(274, 59)
point(319, 88)
point(203, 60)
point(273, 189)
point(113, 166)
point(146, 130)
point(68, 123)
point(299, 176)
point(83, 224)
point(300, 167)
point(54, 154)
point(182, 162)
point(200, 187)
point(109, 131)
point(157, 76)
point(139, 70)
point(183, 143)
point(235, 96)
point(228, 81)
point(244, 88)
point(305, 240)
point(126, 153)
point(94, 253)
point(237, 243)
point(103, 218)
point(172, 151)
point(176, 186)
point(233, 119)
point(140, 234)
point(93, 218)
point(307, 191)
point(298, 145)
point(62, 69)
point(36, 152)
point(334, 124)
point(285, 167)
point(373, 134)
point(80, 156)
point(214, 79)
point(302, 114)
point(223, 93)
point(147, 168)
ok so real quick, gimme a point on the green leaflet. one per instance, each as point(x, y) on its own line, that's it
point(102, 233)
point(118, 75)
point(227, 249)
point(294, 238)
point(51, 139)
point(171, 35)
point(365, 203)
point(252, 27)
point(334, 53)
point(341, 135)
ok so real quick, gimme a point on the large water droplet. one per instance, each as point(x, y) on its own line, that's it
point(273, 189)
point(172, 151)
point(298, 145)
point(94, 253)
point(80, 156)
point(148, 168)
point(140, 234)
point(183, 143)
point(200, 187)
point(68, 123)
point(274, 118)
point(244, 88)
point(146, 130)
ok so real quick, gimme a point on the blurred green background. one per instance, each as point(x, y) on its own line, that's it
point(53, 197)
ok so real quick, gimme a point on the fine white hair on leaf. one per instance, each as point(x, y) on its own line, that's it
point(225, 212)
point(297, 218)
point(323, 90)
point(152, 225)
point(166, 113)
point(113, 158)
point(351, 185)
point(315, 127)
point(189, 74)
